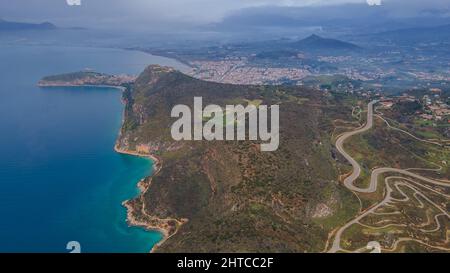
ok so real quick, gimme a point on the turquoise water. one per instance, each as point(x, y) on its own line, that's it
point(60, 179)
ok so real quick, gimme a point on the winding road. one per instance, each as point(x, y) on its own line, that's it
point(372, 187)
point(348, 182)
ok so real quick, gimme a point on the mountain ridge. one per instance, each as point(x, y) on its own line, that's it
point(416, 34)
point(228, 196)
point(20, 26)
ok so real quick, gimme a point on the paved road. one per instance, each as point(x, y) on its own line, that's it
point(349, 181)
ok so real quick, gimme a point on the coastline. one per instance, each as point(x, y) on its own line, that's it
point(136, 207)
point(121, 88)
point(163, 55)
point(136, 214)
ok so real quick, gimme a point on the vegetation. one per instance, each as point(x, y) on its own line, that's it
point(72, 76)
point(414, 220)
point(239, 199)
point(236, 197)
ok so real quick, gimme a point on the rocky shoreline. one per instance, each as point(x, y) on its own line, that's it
point(136, 214)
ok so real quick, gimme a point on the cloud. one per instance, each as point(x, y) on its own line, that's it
point(374, 2)
point(157, 13)
point(73, 2)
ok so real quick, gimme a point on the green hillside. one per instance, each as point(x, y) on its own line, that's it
point(235, 197)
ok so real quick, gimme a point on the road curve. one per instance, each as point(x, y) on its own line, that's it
point(348, 182)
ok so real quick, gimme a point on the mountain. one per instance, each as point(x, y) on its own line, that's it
point(315, 42)
point(228, 196)
point(437, 34)
point(364, 18)
point(17, 26)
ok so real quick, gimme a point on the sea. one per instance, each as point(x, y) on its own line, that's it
point(60, 179)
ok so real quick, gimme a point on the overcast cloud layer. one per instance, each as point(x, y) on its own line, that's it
point(125, 13)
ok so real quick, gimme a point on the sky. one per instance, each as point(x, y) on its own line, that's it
point(147, 13)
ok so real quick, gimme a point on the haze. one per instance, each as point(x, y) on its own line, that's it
point(147, 14)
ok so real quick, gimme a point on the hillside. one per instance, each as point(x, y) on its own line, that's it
point(315, 42)
point(229, 196)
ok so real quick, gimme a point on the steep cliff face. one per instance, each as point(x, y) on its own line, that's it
point(228, 195)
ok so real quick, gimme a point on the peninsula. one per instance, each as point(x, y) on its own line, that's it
point(86, 78)
point(229, 196)
point(310, 195)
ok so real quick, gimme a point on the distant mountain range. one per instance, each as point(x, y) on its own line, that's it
point(18, 26)
point(416, 35)
point(363, 19)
